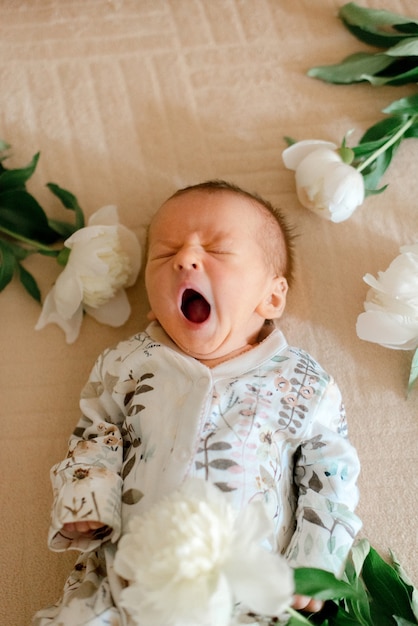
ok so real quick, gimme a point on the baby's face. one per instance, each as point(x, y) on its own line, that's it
point(207, 278)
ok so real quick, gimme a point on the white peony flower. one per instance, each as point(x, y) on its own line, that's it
point(324, 183)
point(391, 307)
point(192, 557)
point(105, 258)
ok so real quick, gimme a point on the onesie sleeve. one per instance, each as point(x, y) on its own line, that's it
point(325, 473)
point(87, 485)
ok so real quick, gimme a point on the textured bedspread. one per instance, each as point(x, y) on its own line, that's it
point(128, 100)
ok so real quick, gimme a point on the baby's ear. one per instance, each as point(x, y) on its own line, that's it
point(274, 304)
point(151, 316)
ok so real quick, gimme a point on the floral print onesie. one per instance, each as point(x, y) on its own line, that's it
point(268, 424)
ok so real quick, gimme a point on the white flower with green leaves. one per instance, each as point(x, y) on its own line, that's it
point(192, 557)
point(325, 184)
point(103, 258)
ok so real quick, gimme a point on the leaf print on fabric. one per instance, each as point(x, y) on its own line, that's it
point(314, 483)
point(279, 359)
point(225, 487)
point(297, 390)
point(92, 389)
point(128, 466)
point(131, 386)
point(267, 480)
point(132, 496)
point(223, 464)
point(78, 508)
point(312, 516)
point(212, 461)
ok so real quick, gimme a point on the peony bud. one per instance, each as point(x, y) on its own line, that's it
point(324, 183)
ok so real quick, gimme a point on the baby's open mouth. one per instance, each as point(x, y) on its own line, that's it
point(194, 306)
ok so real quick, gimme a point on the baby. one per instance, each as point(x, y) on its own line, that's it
point(211, 389)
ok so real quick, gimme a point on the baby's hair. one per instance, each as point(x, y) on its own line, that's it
point(273, 239)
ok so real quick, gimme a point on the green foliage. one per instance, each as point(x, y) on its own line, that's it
point(377, 27)
point(25, 228)
point(371, 593)
point(396, 64)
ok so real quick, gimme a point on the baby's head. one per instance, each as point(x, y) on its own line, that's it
point(219, 263)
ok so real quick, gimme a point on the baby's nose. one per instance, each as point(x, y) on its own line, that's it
point(188, 258)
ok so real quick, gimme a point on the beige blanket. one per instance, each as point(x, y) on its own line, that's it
point(130, 99)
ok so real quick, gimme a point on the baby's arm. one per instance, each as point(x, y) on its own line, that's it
point(325, 473)
point(87, 484)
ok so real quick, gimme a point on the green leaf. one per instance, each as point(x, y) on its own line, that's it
point(377, 27)
point(16, 179)
point(413, 375)
point(21, 213)
point(19, 252)
point(404, 106)
point(358, 607)
point(376, 170)
point(355, 68)
point(64, 229)
point(70, 202)
point(63, 256)
point(29, 283)
point(317, 583)
point(7, 264)
point(289, 140)
point(398, 74)
point(400, 621)
point(406, 48)
point(412, 131)
point(342, 618)
point(390, 594)
point(383, 129)
point(359, 553)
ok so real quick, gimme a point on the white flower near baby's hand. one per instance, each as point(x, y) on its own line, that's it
point(324, 183)
point(391, 307)
point(192, 557)
point(104, 258)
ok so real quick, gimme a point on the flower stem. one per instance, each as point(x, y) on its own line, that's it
point(388, 143)
point(30, 242)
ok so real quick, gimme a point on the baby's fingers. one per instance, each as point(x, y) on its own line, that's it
point(304, 603)
point(82, 527)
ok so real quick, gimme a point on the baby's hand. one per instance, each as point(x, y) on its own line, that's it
point(304, 603)
point(84, 528)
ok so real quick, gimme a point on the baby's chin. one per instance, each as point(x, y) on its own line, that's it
point(216, 358)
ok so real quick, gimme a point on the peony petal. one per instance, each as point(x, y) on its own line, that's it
point(115, 312)
point(400, 278)
point(329, 187)
point(221, 605)
point(253, 524)
point(88, 233)
point(107, 215)
point(125, 561)
point(269, 593)
point(130, 245)
point(390, 331)
point(294, 154)
point(68, 293)
point(49, 315)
